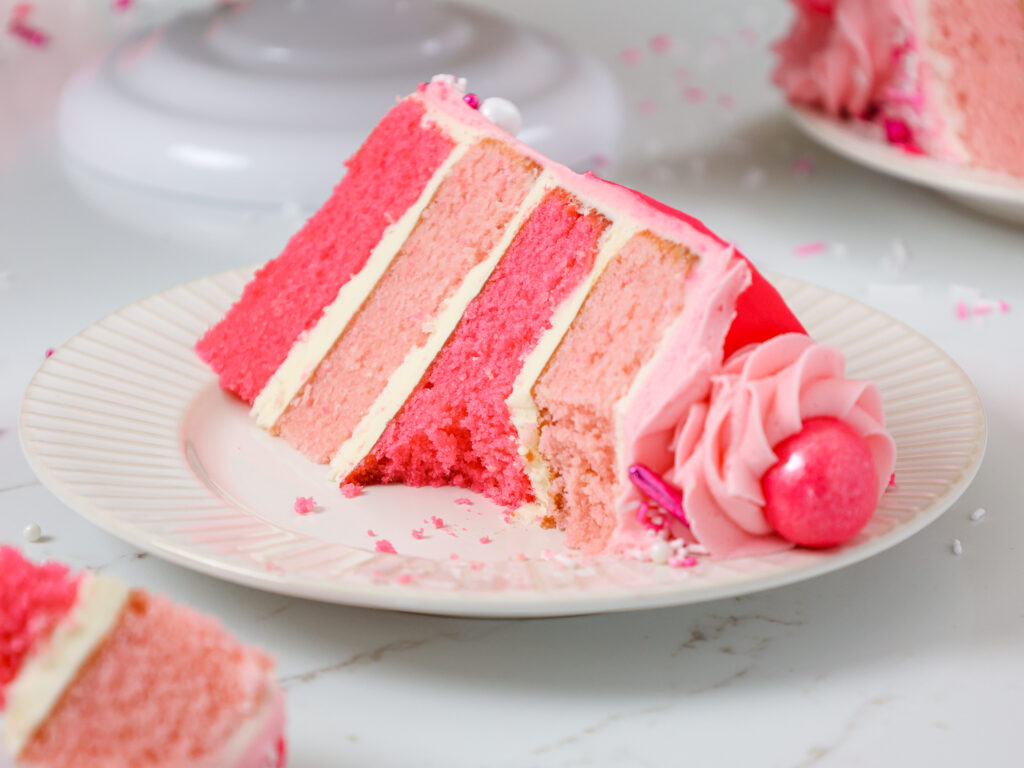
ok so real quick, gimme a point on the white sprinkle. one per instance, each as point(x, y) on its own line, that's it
point(958, 548)
point(660, 552)
point(977, 514)
point(33, 532)
point(503, 113)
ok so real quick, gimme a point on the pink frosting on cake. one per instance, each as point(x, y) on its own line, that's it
point(33, 600)
point(762, 395)
point(839, 55)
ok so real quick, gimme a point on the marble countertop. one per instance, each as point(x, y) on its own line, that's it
point(913, 657)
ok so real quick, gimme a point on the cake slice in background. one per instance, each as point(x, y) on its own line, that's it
point(940, 77)
point(535, 335)
point(93, 673)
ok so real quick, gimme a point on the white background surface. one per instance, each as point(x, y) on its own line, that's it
point(913, 657)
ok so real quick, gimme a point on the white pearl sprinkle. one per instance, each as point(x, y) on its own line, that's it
point(32, 532)
point(977, 514)
point(958, 548)
point(503, 113)
point(660, 552)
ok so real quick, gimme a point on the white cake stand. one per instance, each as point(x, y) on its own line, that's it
point(262, 102)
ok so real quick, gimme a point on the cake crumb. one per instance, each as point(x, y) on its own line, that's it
point(404, 578)
point(547, 522)
point(519, 557)
point(476, 565)
point(464, 500)
point(351, 490)
point(977, 514)
point(437, 521)
point(453, 556)
point(304, 505)
point(417, 533)
point(370, 533)
point(386, 547)
point(810, 249)
point(485, 539)
point(957, 548)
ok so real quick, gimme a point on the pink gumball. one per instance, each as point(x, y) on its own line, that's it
point(823, 489)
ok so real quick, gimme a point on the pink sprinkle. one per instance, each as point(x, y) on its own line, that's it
point(892, 480)
point(726, 101)
point(653, 486)
point(802, 166)
point(810, 249)
point(21, 11)
point(961, 309)
point(472, 100)
point(351, 490)
point(1004, 306)
point(660, 44)
point(631, 56)
point(27, 33)
point(417, 533)
point(694, 94)
point(897, 131)
point(385, 546)
point(304, 505)
point(370, 533)
point(485, 539)
point(49, 353)
point(464, 500)
point(647, 107)
point(477, 566)
point(403, 578)
point(123, 5)
point(437, 521)
point(453, 556)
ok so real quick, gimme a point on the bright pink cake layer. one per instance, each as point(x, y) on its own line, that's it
point(985, 43)
point(457, 231)
point(456, 429)
point(288, 295)
point(617, 330)
point(33, 599)
point(168, 687)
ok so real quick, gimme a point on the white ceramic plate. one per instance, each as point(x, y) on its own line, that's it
point(990, 193)
point(129, 429)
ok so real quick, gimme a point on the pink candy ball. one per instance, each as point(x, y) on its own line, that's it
point(823, 489)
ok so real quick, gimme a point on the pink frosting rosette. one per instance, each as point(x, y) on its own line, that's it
point(724, 444)
point(839, 54)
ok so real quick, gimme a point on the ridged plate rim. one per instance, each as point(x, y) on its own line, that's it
point(932, 473)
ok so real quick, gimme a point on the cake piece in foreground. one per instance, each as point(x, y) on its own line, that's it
point(532, 334)
point(939, 77)
point(95, 674)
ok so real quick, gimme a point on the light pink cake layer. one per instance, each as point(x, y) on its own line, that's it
point(456, 428)
point(615, 333)
point(456, 231)
point(985, 43)
point(168, 687)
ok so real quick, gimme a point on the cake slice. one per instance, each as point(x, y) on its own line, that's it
point(939, 77)
point(93, 673)
point(526, 332)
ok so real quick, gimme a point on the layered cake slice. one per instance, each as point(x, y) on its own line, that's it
point(939, 77)
point(93, 673)
point(526, 332)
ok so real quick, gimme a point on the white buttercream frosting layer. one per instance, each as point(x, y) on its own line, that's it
point(48, 672)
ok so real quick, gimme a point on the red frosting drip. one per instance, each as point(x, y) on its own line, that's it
point(761, 314)
point(33, 599)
